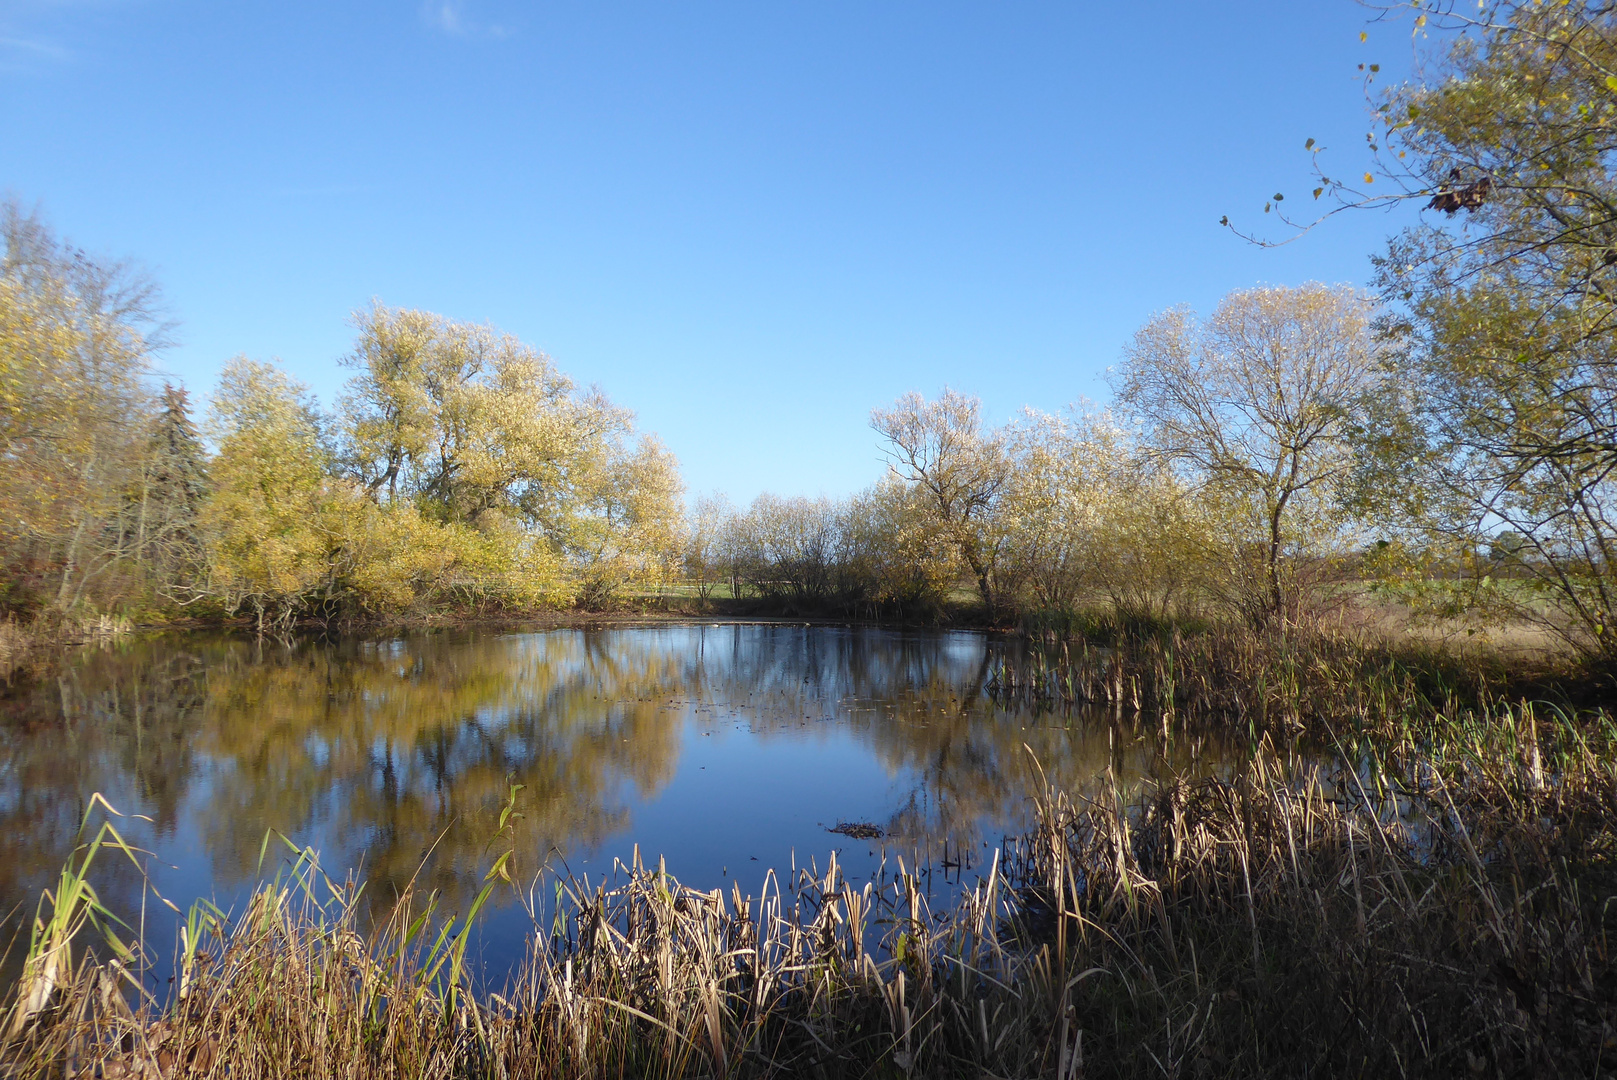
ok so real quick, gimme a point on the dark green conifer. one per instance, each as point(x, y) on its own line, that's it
point(179, 477)
point(169, 540)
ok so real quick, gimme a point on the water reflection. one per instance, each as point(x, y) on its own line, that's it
point(726, 748)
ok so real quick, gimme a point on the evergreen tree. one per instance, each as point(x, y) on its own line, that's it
point(167, 536)
point(179, 476)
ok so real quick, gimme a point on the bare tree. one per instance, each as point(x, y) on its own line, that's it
point(1256, 404)
point(705, 524)
point(793, 548)
point(940, 446)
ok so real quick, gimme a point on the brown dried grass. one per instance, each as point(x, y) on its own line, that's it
point(1432, 911)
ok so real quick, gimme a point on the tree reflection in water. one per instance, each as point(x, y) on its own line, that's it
point(394, 756)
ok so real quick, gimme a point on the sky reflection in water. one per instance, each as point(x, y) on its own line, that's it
point(728, 749)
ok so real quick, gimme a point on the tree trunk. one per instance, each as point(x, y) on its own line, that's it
point(1276, 599)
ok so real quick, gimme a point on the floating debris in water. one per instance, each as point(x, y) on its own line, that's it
point(858, 830)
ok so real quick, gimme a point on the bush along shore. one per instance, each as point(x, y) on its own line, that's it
point(1425, 892)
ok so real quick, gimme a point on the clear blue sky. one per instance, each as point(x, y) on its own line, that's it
point(750, 222)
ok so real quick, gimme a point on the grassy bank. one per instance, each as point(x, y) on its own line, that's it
point(1424, 896)
point(1328, 682)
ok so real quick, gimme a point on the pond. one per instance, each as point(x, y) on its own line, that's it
point(726, 749)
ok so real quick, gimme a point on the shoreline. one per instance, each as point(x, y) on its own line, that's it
point(30, 651)
point(1255, 922)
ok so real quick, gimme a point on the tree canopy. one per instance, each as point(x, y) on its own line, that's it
point(1505, 414)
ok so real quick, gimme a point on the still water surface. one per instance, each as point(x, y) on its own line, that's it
point(727, 749)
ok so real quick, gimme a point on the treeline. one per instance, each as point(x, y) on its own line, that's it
point(459, 469)
point(1267, 465)
point(1047, 513)
point(1228, 490)
point(1450, 437)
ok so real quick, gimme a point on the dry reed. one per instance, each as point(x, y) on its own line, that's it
point(1414, 910)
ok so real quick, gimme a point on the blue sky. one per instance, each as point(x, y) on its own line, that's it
point(748, 222)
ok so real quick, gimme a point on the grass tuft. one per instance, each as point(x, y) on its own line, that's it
point(1411, 913)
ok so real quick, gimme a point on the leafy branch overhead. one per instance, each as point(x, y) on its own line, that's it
point(1499, 416)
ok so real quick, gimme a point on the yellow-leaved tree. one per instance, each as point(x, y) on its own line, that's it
point(276, 521)
point(1089, 516)
point(76, 334)
point(547, 494)
point(959, 470)
point(1256, 408)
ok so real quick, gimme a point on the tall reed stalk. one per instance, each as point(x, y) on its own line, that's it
point(1411, 910)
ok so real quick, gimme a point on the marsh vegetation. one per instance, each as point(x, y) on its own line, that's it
point(1422, 889)
point(1238, 774)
